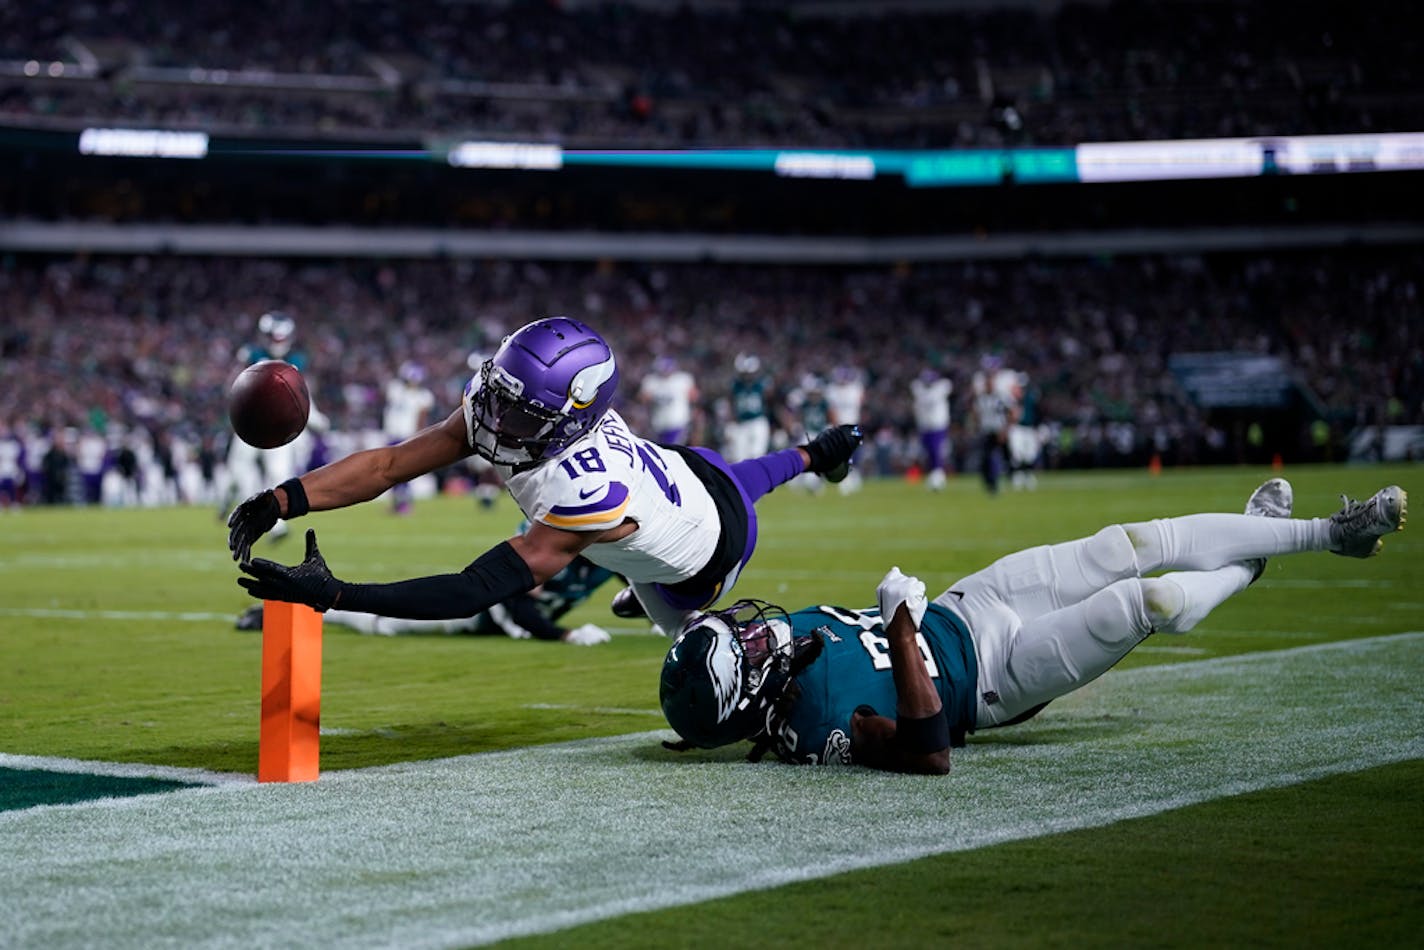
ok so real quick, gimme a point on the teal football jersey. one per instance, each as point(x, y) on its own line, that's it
point(854, 669)
point(815, 415)
point(748, 399)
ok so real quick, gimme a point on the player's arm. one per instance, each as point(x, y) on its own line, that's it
point(358, 477)
point(917, 739)
point(364, 475)
point(509, 568)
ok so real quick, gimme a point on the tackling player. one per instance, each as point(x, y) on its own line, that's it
point(678, 523)
point(831, 685)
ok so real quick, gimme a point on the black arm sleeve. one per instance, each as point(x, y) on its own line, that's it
point(496, 575)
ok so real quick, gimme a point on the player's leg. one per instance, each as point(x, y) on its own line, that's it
point(1208, 541)
point(1025, 664)
point(1048, 577)
point(653, 598)
point(393, 626)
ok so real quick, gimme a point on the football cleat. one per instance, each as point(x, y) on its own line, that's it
point(1274, 498)
point(831, 452)
point(251, 618)
point(626, 605)
point(1357, 529)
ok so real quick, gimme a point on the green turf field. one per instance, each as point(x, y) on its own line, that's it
point(118, 646)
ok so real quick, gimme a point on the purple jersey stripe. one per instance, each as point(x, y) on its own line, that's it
point(616, 497)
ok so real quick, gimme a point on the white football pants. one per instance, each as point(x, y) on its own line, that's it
point(1049, 619)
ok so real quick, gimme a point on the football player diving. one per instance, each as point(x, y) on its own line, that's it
point(677, 522)
point(896, 685)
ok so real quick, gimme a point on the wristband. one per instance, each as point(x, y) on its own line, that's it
point(922, 736)
point(297, 504)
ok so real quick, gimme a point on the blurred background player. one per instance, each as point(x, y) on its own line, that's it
point(249, 468)
point(529, 616)
point(488, 485)
point(749, 431)
point(12, 466)
point(669, 393)
point(1024, 438)
point(808, 413)
point(408, 405)
point(845, 394)
point(992, 414)
point(930, 392)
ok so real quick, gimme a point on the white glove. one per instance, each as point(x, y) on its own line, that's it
point(896, 589)
point(588, 635)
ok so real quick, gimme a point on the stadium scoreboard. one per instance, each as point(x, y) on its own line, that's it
point(1092, 162)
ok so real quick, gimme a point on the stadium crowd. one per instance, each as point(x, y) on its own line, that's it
point(139, 351)
point(682, 75)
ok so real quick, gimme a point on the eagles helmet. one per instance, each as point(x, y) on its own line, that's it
point(725, 670)
point(548, 384)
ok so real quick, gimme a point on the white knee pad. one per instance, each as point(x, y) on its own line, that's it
point(1111, 551)
point(1118, 617)
point(1166, 604)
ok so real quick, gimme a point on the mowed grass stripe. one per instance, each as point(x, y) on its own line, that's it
point(469, 850)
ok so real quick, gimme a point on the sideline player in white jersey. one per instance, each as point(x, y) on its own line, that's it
point(12, 466)
point(669, 393)
point(408, 403)
point(930, 392)
point(678, 523)
point(845, 394)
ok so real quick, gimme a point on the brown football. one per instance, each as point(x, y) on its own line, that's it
point(268, 404)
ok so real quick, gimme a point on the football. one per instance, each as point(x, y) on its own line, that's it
point(268, 404)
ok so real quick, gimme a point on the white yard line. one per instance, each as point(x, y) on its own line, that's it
point(469, 850)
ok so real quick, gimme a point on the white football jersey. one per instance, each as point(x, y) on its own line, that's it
point(611, 475)
point(931, 403)
point(406, 406)
point(846, 399)
point(11, 450)
point(669, 399)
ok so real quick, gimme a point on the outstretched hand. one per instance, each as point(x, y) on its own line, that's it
point(897, 588)
point(250, 521)
point(309, 582)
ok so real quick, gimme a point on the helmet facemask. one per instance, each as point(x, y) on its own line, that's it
point(505, 427)
point(546, 387)
point(725, 671)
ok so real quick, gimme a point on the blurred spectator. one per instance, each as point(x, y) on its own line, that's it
point(94, 343)
point(602, 74)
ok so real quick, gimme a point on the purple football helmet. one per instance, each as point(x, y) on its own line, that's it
point(549, 382)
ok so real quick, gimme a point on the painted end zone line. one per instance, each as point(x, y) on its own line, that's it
point(474, 849)
point(124, 770)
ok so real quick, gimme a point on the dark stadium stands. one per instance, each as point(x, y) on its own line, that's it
point(151, 342)
point(647, 75)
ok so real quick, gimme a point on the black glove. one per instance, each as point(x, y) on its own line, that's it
point(310, 582)
point(250, 521)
